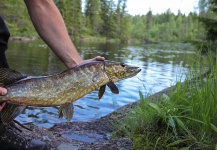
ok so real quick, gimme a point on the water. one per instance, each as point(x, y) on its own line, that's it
point(162, 65)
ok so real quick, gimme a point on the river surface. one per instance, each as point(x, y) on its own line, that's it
point(162, 66)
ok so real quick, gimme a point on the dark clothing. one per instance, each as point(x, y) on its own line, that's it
point(4, 36)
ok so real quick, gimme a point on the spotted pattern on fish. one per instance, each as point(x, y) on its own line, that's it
point(67, 86)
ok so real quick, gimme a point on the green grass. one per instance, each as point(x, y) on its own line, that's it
point(184, 119)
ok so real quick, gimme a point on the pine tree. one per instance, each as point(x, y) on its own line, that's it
point(92, 14)
point(210, 24)
point(123, 20)
point(76, 18)
point(71, 12)
point(108, 19)
point(65, 8)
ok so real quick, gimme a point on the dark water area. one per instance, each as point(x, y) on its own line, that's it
point(162, 66)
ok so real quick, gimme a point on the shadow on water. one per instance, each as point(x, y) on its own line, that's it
point(162, 64)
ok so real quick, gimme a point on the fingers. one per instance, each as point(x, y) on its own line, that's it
point(99, 58)
point(2, 106)
point(3, 91)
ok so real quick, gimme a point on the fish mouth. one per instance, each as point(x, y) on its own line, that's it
point(134, 71)
point(138, 70)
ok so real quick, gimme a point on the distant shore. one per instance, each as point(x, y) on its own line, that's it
point(20, 38)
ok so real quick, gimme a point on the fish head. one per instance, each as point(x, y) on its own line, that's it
point(118, 71)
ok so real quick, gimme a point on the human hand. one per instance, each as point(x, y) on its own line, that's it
point(3, 91)
point(99, 58)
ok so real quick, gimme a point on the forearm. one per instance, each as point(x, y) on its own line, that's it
point(50, 26)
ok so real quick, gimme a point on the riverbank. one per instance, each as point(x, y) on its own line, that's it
point(89, 39)
point(94, 134)
point(23, 39)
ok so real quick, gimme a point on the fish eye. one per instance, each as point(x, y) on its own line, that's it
point(122, 64)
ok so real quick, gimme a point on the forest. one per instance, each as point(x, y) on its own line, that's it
point(105, 18)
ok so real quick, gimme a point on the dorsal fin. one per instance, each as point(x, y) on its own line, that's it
point(8, 76)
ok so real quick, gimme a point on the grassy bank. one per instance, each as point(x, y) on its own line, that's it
point(186, 118)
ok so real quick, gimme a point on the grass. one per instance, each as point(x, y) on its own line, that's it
point(184, 119)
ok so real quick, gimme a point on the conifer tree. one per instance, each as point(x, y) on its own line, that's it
point(210, 24)
point(149, 22)
point(108, 19)
point(71, 12)
point(92, 14)
point(122, 20)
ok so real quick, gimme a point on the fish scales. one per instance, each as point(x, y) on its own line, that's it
point(68, 86)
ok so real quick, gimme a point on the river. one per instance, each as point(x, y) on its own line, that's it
point(162, 65)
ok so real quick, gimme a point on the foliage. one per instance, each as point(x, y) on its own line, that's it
point(166, 27)
point(92, 14)
point(109, 27)
point(108, 19)
point(208, 17)
point(72, 15)
point(16, 17)
point(183, 119)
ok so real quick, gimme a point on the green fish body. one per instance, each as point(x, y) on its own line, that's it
point(64, 88)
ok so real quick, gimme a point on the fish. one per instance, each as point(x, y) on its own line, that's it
point(64, 88)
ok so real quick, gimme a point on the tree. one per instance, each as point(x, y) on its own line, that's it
point(16, 17)
point(149, 22)
point(138, 27)
point(92, 14)
point(210, 24)
point(108, 19)
point(71, 12)
point(123, 20)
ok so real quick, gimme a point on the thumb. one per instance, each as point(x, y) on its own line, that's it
point(3, 91)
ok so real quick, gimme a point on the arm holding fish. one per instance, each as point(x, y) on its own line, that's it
point(52, 30)
point(51, 27)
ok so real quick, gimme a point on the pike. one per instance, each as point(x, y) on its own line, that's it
point(64, 88)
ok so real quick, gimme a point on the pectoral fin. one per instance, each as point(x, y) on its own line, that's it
point(113, 87)
point(101, 91)
point(8, 76)
point(66, 111)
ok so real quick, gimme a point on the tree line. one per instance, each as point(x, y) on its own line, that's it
point(208, 18)
point(105, 18)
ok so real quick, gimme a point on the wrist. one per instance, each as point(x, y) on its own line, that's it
point(73, 62)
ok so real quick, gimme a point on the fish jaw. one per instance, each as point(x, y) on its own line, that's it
point(118, 71)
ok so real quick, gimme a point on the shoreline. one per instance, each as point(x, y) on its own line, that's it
point(95, 134)
point(23, 39)
point(82, 39)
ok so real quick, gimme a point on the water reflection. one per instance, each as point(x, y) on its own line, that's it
point(162, 65)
